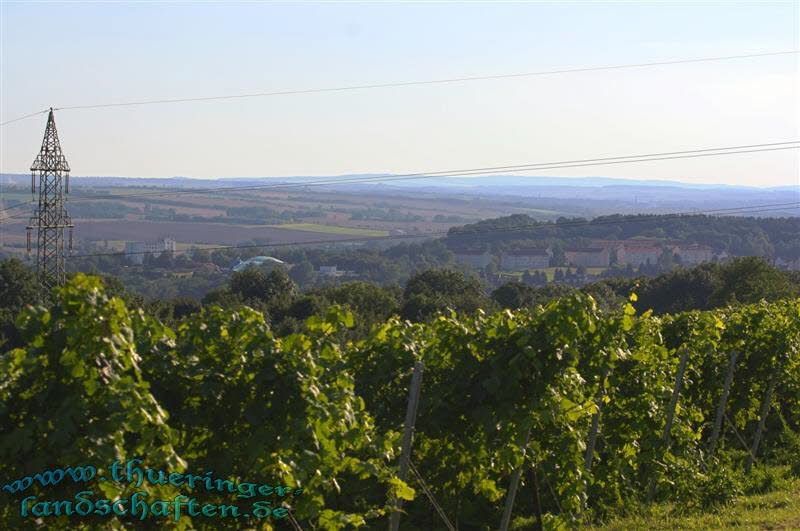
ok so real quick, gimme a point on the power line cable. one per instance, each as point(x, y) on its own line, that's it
point(516, 167)
point(706, 152)
point(642, 218)
point(431, 497)
point(31, 115)
point(407, 83)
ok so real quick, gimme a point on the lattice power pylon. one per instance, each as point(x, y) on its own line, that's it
point(50, 218)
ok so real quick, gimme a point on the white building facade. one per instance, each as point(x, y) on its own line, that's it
point(524, 259)
point(636, 255)
point(693, 254)
point(588, 256)
point(136, 251)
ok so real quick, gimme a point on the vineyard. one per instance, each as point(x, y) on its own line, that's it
point(557, 416)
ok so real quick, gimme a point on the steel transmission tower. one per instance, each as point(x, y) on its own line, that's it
point(50, 218)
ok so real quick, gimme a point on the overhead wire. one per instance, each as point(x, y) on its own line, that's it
point(452, 173)
point(625, 159)
point(406, 83)
point(31, 115)
point(431, 498)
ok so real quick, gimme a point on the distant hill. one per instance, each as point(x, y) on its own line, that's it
point(486, 181)
point(588, 196)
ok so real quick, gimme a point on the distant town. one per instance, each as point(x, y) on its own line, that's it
point(576, 266)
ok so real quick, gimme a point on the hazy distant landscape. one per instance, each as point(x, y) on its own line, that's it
point(332, 212)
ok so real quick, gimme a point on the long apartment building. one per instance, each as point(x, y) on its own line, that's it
point(641, 251)
point(637, 255)
point(693, 254)
point(524, 259)
point(588, 256)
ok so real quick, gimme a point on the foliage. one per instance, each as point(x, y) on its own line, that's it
point(437, 290)
point(18, 287)
point(75, 395)
point(218, 390)
point(739, 236)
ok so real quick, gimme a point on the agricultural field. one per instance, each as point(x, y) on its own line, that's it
point(332, 229)
point(121, 213)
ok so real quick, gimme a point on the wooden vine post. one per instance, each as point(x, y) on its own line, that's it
point(537, 501)
point(594, 431)
point(766, 404)
point(408, 438)
point(723, 400)
point(512, 488)
point(673, 403)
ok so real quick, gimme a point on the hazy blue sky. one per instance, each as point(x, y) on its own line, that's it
point(61, 54)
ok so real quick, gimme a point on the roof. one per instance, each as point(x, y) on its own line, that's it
point(586, 250)
point(469, 252)
point(527, 252)
point(630, 241)
point(265, 259)
point(693, 247)
point(608, 244)
point(257, 260)
point(642, 249)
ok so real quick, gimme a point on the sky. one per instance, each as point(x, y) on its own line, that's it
point(82, 53)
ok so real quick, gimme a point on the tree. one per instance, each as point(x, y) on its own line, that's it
point(679, 290)
point(559, 257)
point(271, 292)
point(491, 269)
point(222, 297)
point(182, 261)
point(201, 256)
point(708, 286)
point(370, 304)
point(666, 260)
point(183, 306)
point(436, 290)
point(115, 287)
point(604, 295)
point(249, 284)
point(18, 288)
point(513, 295)
point(751, 279)
point(527, 278)
point(613, 256)
point(302, 273)
point(255, 284)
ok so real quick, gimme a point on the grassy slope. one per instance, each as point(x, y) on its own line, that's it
point(779, 509)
